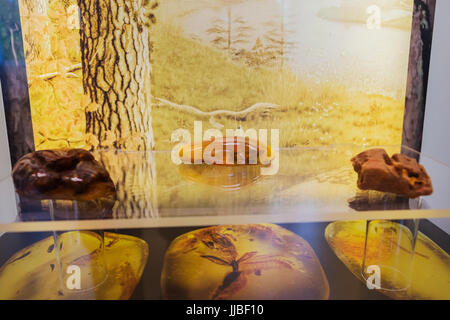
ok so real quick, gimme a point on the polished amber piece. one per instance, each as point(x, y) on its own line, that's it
point(33, 272)
point(431, 264)
point(223, 177)
point(235, 151)
point(255, 261)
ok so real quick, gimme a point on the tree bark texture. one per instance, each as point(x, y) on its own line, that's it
point(115, 45)
point(115, 53)
point(134, 175)
point(419, 62)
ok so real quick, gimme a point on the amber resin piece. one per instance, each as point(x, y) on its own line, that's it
point(235, 151)
point(33, 272)
point(430, 276)
point(248, 262)
point(398, 174)
point(223, 177)
point(71, 174)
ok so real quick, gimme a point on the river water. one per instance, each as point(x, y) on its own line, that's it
point(350, 54)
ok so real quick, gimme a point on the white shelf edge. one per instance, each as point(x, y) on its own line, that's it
point(161, 222)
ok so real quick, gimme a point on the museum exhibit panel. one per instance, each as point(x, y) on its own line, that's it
point(224, 150)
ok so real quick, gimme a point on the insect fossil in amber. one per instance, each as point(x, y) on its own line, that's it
point(257, 261)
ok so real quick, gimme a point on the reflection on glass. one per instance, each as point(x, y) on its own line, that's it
point(87, 269)
point(365, 200)
point(388, 253)
point(317, 180)
point(81, 262)
point(225, 177)
point(431, 264)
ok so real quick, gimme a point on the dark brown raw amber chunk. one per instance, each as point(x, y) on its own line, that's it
point(67, 174)
point(398, 174)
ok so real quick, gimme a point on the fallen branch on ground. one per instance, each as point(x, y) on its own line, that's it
point(265, 106)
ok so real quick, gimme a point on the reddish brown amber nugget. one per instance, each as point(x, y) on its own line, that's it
point(399, 174)
point(66, 174)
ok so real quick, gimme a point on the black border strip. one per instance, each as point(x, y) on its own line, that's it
point(418, 69)
point(14, 82)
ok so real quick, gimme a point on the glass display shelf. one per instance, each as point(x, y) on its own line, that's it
point(307, 220)
point(311, 184)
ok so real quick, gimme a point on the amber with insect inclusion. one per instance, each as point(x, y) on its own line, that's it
point(254, 261)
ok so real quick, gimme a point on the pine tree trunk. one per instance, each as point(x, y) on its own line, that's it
point(115, 45)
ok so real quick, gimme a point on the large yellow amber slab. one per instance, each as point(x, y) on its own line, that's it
point(229, 262)
point(431, 265)
point(33, 273)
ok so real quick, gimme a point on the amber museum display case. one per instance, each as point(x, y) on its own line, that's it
point(224, 150)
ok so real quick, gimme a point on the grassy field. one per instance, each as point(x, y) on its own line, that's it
point(191, 73)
